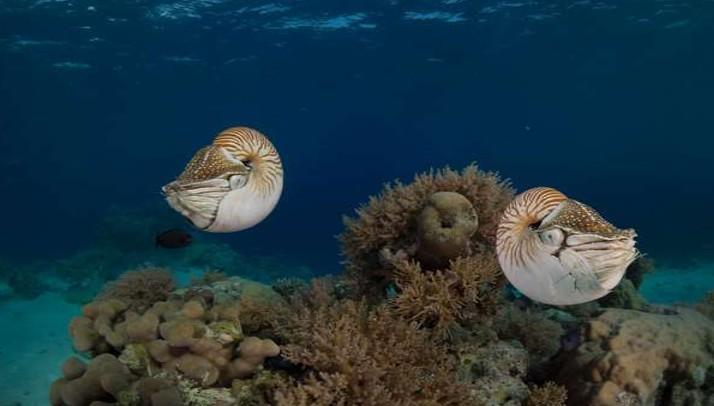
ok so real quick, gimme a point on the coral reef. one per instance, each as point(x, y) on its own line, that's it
point(141, 288)
point(469, 287)
point(625, 296)
point(367, 356)
point(533, 329)
point(496, 373)
point(187, 344)
point(420, 317)
point(644, 357)
point(548, 394)
point(406, 220)
point(444, 229)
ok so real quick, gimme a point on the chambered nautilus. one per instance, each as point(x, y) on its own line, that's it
point(559, 251)
point(230, 185)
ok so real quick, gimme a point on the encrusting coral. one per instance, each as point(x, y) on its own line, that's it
point(533, 329)
point(642, 357)
point(495, 372)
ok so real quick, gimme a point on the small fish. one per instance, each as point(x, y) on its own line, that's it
point(571, 339)
point(173, 238)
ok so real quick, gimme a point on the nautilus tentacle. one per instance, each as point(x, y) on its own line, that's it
point(230, 185)
point(559, 251)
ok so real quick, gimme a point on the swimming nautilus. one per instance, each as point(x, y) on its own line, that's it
point(230, 185)
point(559, 251)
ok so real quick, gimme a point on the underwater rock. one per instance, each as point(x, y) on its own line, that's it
point(645, 357)
point(444, 227)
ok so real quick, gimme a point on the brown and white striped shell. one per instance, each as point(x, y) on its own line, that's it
point(559, 251)
point(230, 185)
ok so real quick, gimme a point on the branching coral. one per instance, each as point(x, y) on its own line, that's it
point(438, 299)
point(368, 357)
point(141, 288)
point(548, 394)
point(387, 225)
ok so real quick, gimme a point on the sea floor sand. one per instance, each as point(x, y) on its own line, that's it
point(34, 344)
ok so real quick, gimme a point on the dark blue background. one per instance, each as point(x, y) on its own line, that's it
point(611, 109)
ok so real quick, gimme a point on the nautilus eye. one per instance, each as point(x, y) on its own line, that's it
point(571, 256)
point(553, 237)
point(230, 185)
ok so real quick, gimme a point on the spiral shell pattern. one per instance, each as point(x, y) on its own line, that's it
point(559, 251)
point(527, 209)
point(254, 150)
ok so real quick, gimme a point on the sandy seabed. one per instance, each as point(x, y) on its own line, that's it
point(34, 344)
point(678, 285)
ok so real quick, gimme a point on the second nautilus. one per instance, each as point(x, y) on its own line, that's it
point(230, 185)
point(559, 251)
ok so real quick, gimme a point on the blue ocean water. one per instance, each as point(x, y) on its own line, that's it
point(104, 102)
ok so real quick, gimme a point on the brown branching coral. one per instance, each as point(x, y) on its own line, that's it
point(438, 299)
point(549, 394)
point(387, 225)
point(363, 356)
point(141, 288)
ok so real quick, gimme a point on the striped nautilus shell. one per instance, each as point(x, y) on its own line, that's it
point(230, 185)
point(559, 251)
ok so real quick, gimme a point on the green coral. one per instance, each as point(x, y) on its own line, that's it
point(220, 329)
point(136, 357)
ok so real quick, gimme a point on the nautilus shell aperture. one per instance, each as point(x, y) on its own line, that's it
point(559, 251)
point(230, 185)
